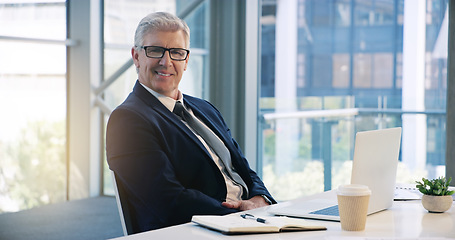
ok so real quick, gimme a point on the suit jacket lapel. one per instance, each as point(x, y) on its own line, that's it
point(226, 138)
point(154, 103)
point(215, 128)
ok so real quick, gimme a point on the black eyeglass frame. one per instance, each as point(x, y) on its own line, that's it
point(167, 50)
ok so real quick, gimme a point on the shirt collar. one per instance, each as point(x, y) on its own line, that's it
point(168, 102)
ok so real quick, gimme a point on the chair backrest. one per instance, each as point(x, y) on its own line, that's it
point(122, 204)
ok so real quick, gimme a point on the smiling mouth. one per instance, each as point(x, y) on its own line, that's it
point(164, 74)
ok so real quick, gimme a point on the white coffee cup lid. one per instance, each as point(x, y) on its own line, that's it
point(353, 190)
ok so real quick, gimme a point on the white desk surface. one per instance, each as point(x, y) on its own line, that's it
point(404, 220)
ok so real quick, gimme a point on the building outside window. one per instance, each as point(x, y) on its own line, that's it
point(332, 68)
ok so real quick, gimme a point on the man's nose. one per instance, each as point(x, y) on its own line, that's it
point(166, 59)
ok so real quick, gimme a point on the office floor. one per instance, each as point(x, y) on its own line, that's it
point(92, 218)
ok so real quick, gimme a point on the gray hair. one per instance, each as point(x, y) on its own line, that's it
point(160, 21)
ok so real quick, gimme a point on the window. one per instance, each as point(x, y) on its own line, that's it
point(324, 55)
point(33, 168)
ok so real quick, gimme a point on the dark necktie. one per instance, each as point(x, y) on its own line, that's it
point(209, 137)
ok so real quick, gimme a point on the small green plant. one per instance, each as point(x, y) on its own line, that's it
point(435, 187)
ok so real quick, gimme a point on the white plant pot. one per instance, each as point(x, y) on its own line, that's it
point(437, 204)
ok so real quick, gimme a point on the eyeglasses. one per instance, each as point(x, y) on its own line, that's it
point(177, 54)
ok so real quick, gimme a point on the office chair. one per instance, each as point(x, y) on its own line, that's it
point(123, 208)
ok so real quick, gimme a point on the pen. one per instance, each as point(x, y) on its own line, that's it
point(245, 216)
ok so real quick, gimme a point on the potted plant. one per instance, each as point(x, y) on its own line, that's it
point(436, 194)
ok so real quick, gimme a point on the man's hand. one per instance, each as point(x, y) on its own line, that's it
point(242, 205)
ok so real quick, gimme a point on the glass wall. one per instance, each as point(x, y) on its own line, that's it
point(331, 68)
point(120, 21)
point(33, 167)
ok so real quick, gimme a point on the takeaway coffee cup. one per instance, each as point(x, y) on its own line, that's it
point(353, 206)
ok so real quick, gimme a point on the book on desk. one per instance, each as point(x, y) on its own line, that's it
point(246, 223)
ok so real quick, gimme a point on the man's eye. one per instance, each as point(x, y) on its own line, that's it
point(178, 53)
point(155, 51)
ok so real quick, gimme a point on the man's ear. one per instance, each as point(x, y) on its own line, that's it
point(135, 56)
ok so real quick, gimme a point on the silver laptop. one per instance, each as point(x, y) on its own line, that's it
point(375, 165)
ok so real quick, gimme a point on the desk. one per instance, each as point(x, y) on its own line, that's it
point(405, 219)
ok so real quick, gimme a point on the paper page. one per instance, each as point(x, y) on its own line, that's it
point(405, 192)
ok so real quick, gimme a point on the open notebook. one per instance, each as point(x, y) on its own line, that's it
point(375, 165)
point(235, 224)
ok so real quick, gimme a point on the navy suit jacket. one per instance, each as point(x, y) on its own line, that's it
point(166, 171)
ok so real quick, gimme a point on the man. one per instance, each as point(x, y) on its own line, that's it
point(170, 168)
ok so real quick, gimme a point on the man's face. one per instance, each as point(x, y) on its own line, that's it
point(162, 75)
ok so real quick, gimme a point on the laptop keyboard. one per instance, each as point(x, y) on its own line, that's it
point(330, 211)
